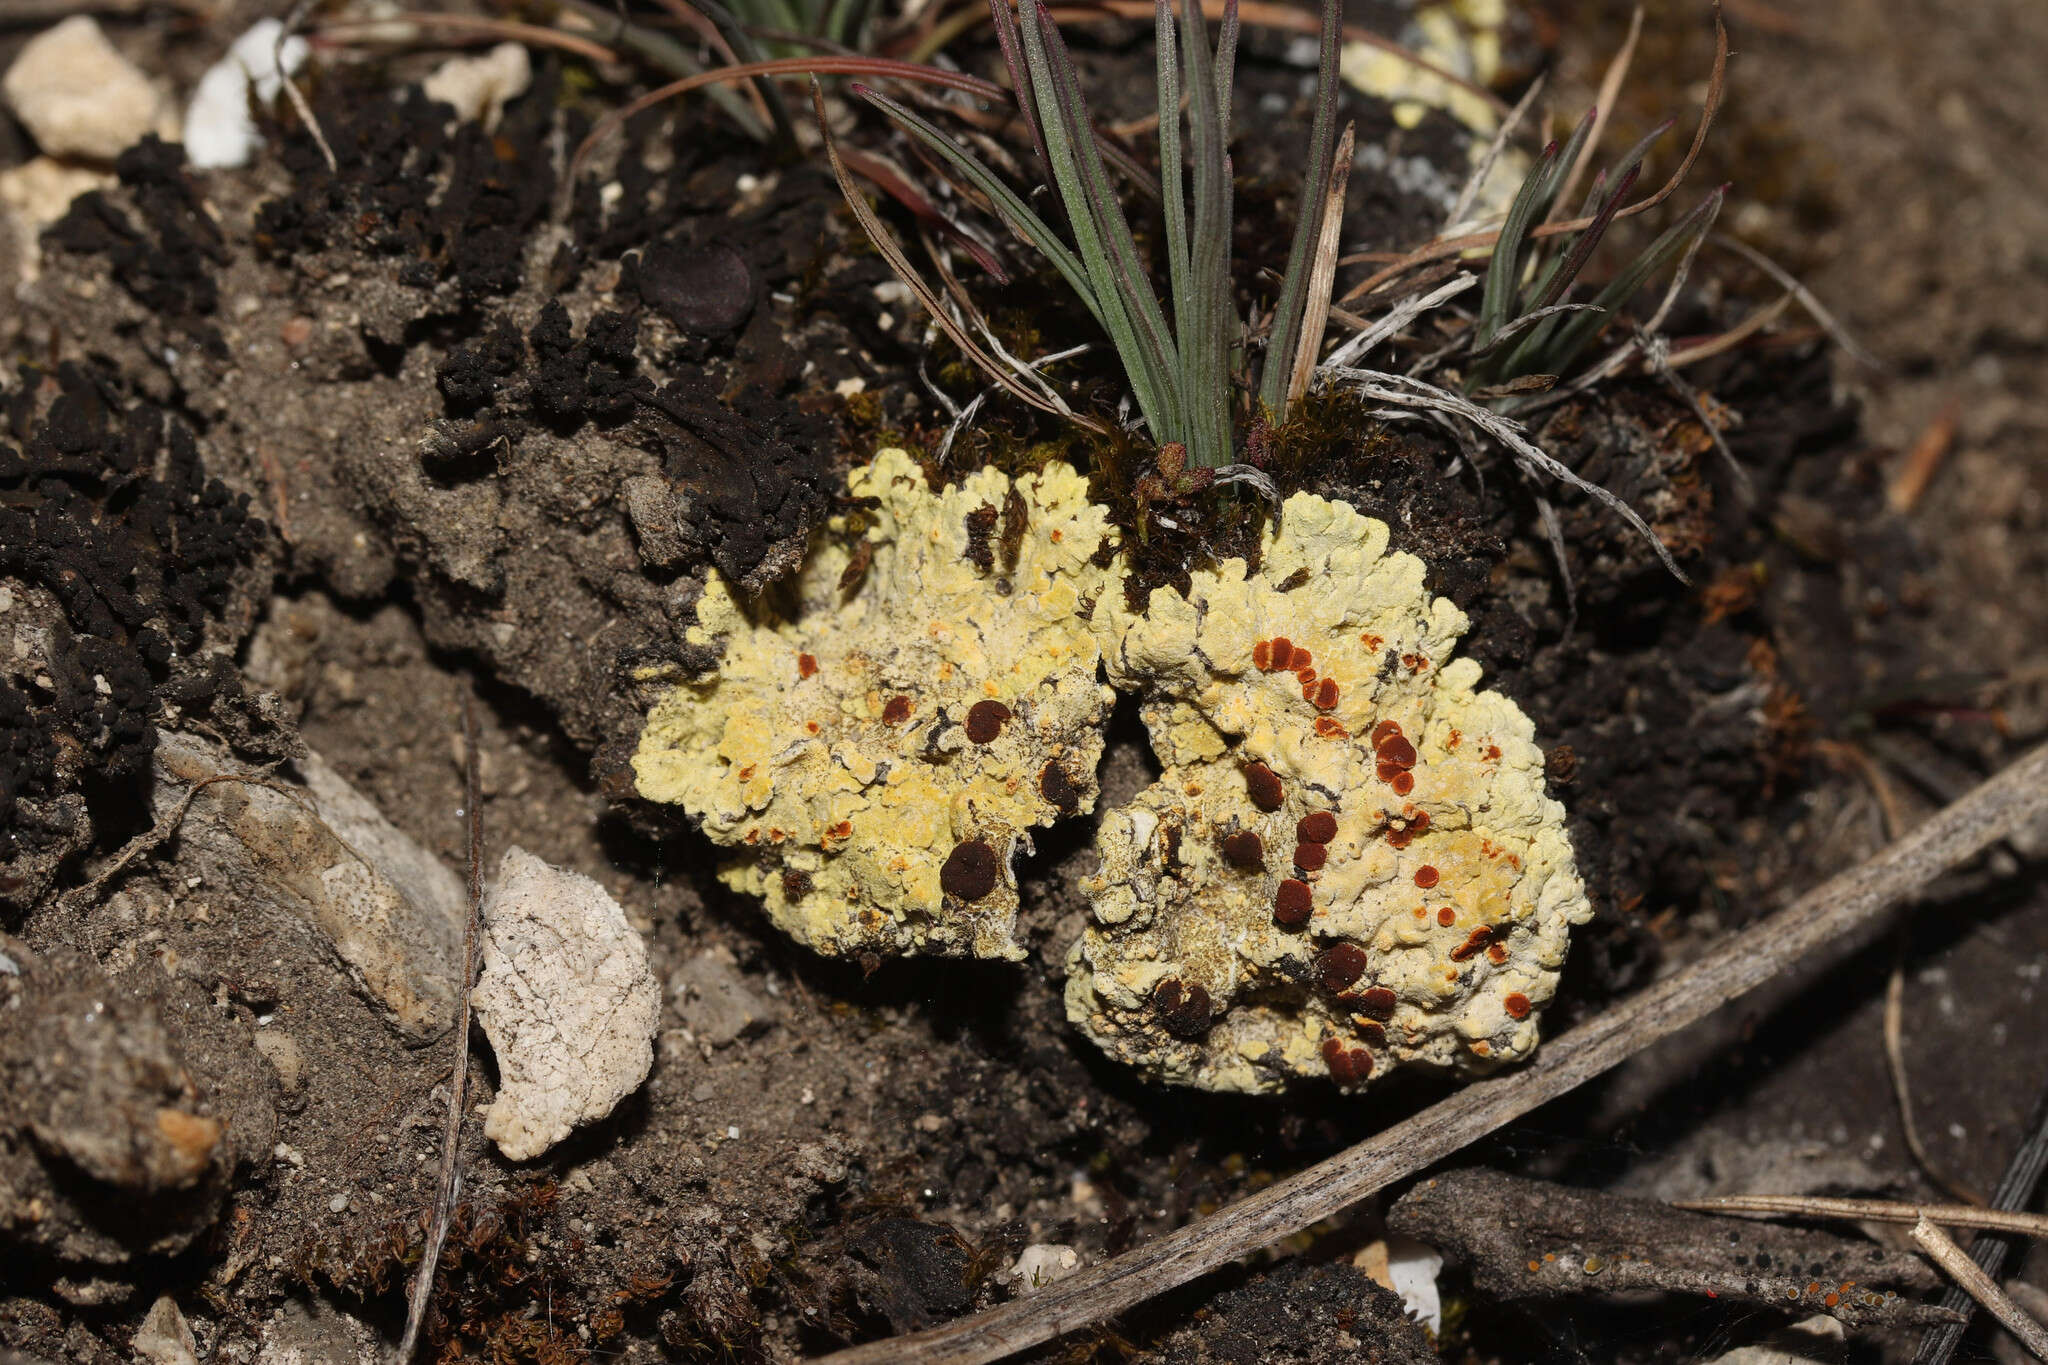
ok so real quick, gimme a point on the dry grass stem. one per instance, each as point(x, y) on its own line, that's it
point(1323, 274)
point(1829, 915)
point(449, 1186)
point(1981, 1287)
point(1603, 106)
point(1924, 459)
point(1873, 1211)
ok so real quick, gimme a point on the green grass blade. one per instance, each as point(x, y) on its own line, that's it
point(1676, 241)
point(1497, 300)
point(1171, 178)
point(1103, 238)
point(1207, 326)
point(1010, 206)
point(1226, 67)
point(1287, 311)
point(906, 272)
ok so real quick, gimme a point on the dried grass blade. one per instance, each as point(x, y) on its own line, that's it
point(1610, 90)
point(1323, 274)
point(906, 272)
point(1274, 374)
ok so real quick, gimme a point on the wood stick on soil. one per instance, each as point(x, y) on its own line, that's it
point(1842, 905)
point(1873, 1211)
point(2015, 1190)
point(1967, 1273)
point(450, 1185)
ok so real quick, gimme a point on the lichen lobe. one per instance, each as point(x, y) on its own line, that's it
point(854, 741)
point(1423, 914)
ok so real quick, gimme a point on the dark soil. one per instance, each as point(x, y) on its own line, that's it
point(300, 459)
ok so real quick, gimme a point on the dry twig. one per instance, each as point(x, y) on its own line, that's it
point(1830, 913)
point(1873, 1211)
point(2014, 1190)
point(1924, 459)
point(450, 1185)
point(1981, 1287)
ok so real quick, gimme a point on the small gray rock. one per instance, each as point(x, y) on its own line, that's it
point(715, 1001)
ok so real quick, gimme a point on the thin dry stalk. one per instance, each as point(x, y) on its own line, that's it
point(1893, 813)
point(1397, 318)
point(1477, 180)
point(1815, 309)
point(387, 30)
point(1323, 273)
point(1830, 914)
point(292, 24)
point(1873, 1211)
point(1733, 337)
point(1895, 1062)
point(1924, 459)
point(450, 1184)
point(1981, 1287)
point(934, 306)
point(1603, 105)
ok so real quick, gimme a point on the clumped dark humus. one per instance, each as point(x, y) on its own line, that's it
point(104, 505)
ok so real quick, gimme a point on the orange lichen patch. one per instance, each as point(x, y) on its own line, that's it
point(1262, 656)
point(1497, 954)
point(1384, 731)
point(1326, 695)
point(1422, 912)
point(1298, 658)
point(1371, 641)
point(746, 774)
point(1452, 741)
point(1831, 1300)
point(1447, 917)
point(1425, 876)
point(1310, 857)
point(897, 710)
point(1492, 754)
point(1479, 938)
point(806, 665)
point(1402, 782)
point(753, 837)
point(1329, 728)
point(1305, 676)
point(1394, 751)
point(1517, 1005)
point(1415, 663)
point(810, 727)
point(1482, 1048)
